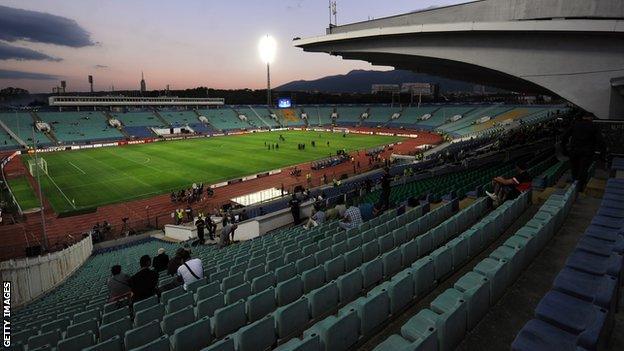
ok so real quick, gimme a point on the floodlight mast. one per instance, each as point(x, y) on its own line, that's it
point(267, 48)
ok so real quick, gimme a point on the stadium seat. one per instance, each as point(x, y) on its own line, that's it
point(207, 307)
point(240, 292)
point(423, 275)
point(313, 278)
point(90, 325)
point(292, 318)
point(262, 282)
point(537, 335)
point(600, 290)
point(111, 344)
point(337, 333)
point(115, 315)
point(159, 344)
point(226, 344)
point(177, 319)
point(476, 291)
point(260, 304)
point(76, 343)
point(149, 314)
point(228, 319)
point(303, 264)
point(142, 335)
point(496, 272)
point(400, 291)
point(323, 299)
point(372, 310)
point(192, 337)
point(259, 335)
point(208, 290)
point(311, 343)
point(372, 272)
point(289, 291)
point(116, 328)
point(179, 302)
point(50, 338)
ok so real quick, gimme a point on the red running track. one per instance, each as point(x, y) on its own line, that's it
point(156, 211)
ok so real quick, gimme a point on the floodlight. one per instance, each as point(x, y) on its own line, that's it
point(267, 47)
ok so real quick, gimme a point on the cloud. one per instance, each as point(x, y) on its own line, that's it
point(10, 52)
point(100, 66)
point(8, 74)
point(19, 24)
point(294, 5)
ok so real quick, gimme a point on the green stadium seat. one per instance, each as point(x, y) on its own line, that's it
point(262, 282)
point(86, 315)
point(337, 333)
point(310, 343)
point(442, 261)
point(372, 272)
point(450, 318)
point(476, 292)
point(459, 250)
point(285, 272)
point(115, 315)
point(192, 337)
point(60, 324)
point(391, 261)
point(421, 330)
point(303, 264)
point(423, 275)
point(79, 328)
point(289, 291)
point(313, 278)
point(323, 255)
point(208, 290)
point(145, 303)
point(170, 294)
point(175, 320)
point(254, 272)
point(323, 299)
point(50, 338)
point(226, 344)
point(370, 250)
point(240, 292)
point(116, 328)
point(259, 335)
point(292, 318)
point(192, 287)
point(334, 268)
point(232, 281)
point(396, 342)
point(160, 344)
point(354, 242)
point(372, 310)
point(409, 253)
point(76, 343)
point(386, 242)
point(149, 314)
point(142, 335)
point(400, 290)
point(260, 304)
point(353, 259)
point(111, 344)
point(208, 306)
point(228, 319)
point(496, 272)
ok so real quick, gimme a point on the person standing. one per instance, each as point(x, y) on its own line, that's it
point(294, 209)
point(580, 142)
point(385, 188)
point(200, 224)
point(144, 283)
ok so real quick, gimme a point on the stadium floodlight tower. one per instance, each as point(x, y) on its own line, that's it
point(267, 47)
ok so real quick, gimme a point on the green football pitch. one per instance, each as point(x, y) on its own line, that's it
point(93, 177)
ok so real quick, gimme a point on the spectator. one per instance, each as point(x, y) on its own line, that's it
point(190, 270)
point(175, 262)
point(200, 224)
point(510, 188)
point(226, 232)
point(584, 140)
point(341, 208)
point(118, 285)
point(161, 261)
point(352, 218)
point(317, 218)
point(144, 283)
point(294, 209)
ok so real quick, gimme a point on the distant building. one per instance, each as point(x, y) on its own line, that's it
point(384, 88)
point(143, 87)
point(424, 89)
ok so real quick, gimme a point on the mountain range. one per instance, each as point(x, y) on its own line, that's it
point(360, 81)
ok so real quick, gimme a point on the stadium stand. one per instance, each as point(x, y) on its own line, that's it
point(180, 118)
point(223, 119)
point(21, 124)
point(70, 127)
point(349, 115)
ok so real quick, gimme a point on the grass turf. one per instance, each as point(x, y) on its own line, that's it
point(24, 193)
point(94, 177)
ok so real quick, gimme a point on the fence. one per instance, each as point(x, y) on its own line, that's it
point(33, 276)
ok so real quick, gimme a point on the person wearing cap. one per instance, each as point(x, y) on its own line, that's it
point(510, 188)
point(160, 261)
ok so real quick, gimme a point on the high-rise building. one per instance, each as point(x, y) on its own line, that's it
point(143, 88)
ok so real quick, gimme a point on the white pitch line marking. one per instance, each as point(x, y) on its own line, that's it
point(78, 168)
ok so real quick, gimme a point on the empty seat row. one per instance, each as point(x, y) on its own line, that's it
point(577, 313)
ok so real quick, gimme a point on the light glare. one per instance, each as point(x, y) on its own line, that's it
point(267, 47)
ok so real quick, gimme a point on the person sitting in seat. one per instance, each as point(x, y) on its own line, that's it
point(161, 261)
point(510, 188)
point(118, 284)
point(144, 283)
point(352, 218)
point(317, 218)
point(191, 269)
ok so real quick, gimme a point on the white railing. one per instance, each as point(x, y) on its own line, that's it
point(31, 277)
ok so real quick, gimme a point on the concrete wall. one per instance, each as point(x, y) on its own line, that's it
point(498, 11)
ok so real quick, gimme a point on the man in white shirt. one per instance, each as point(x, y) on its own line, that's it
point(191, 269)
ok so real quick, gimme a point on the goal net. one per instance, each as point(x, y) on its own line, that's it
point(41, 162)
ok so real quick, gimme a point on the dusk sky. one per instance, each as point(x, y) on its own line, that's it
point(185, 43)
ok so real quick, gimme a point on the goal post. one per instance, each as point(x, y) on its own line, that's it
point(43, 166)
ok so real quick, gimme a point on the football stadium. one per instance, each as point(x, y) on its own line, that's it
point(467, 196)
